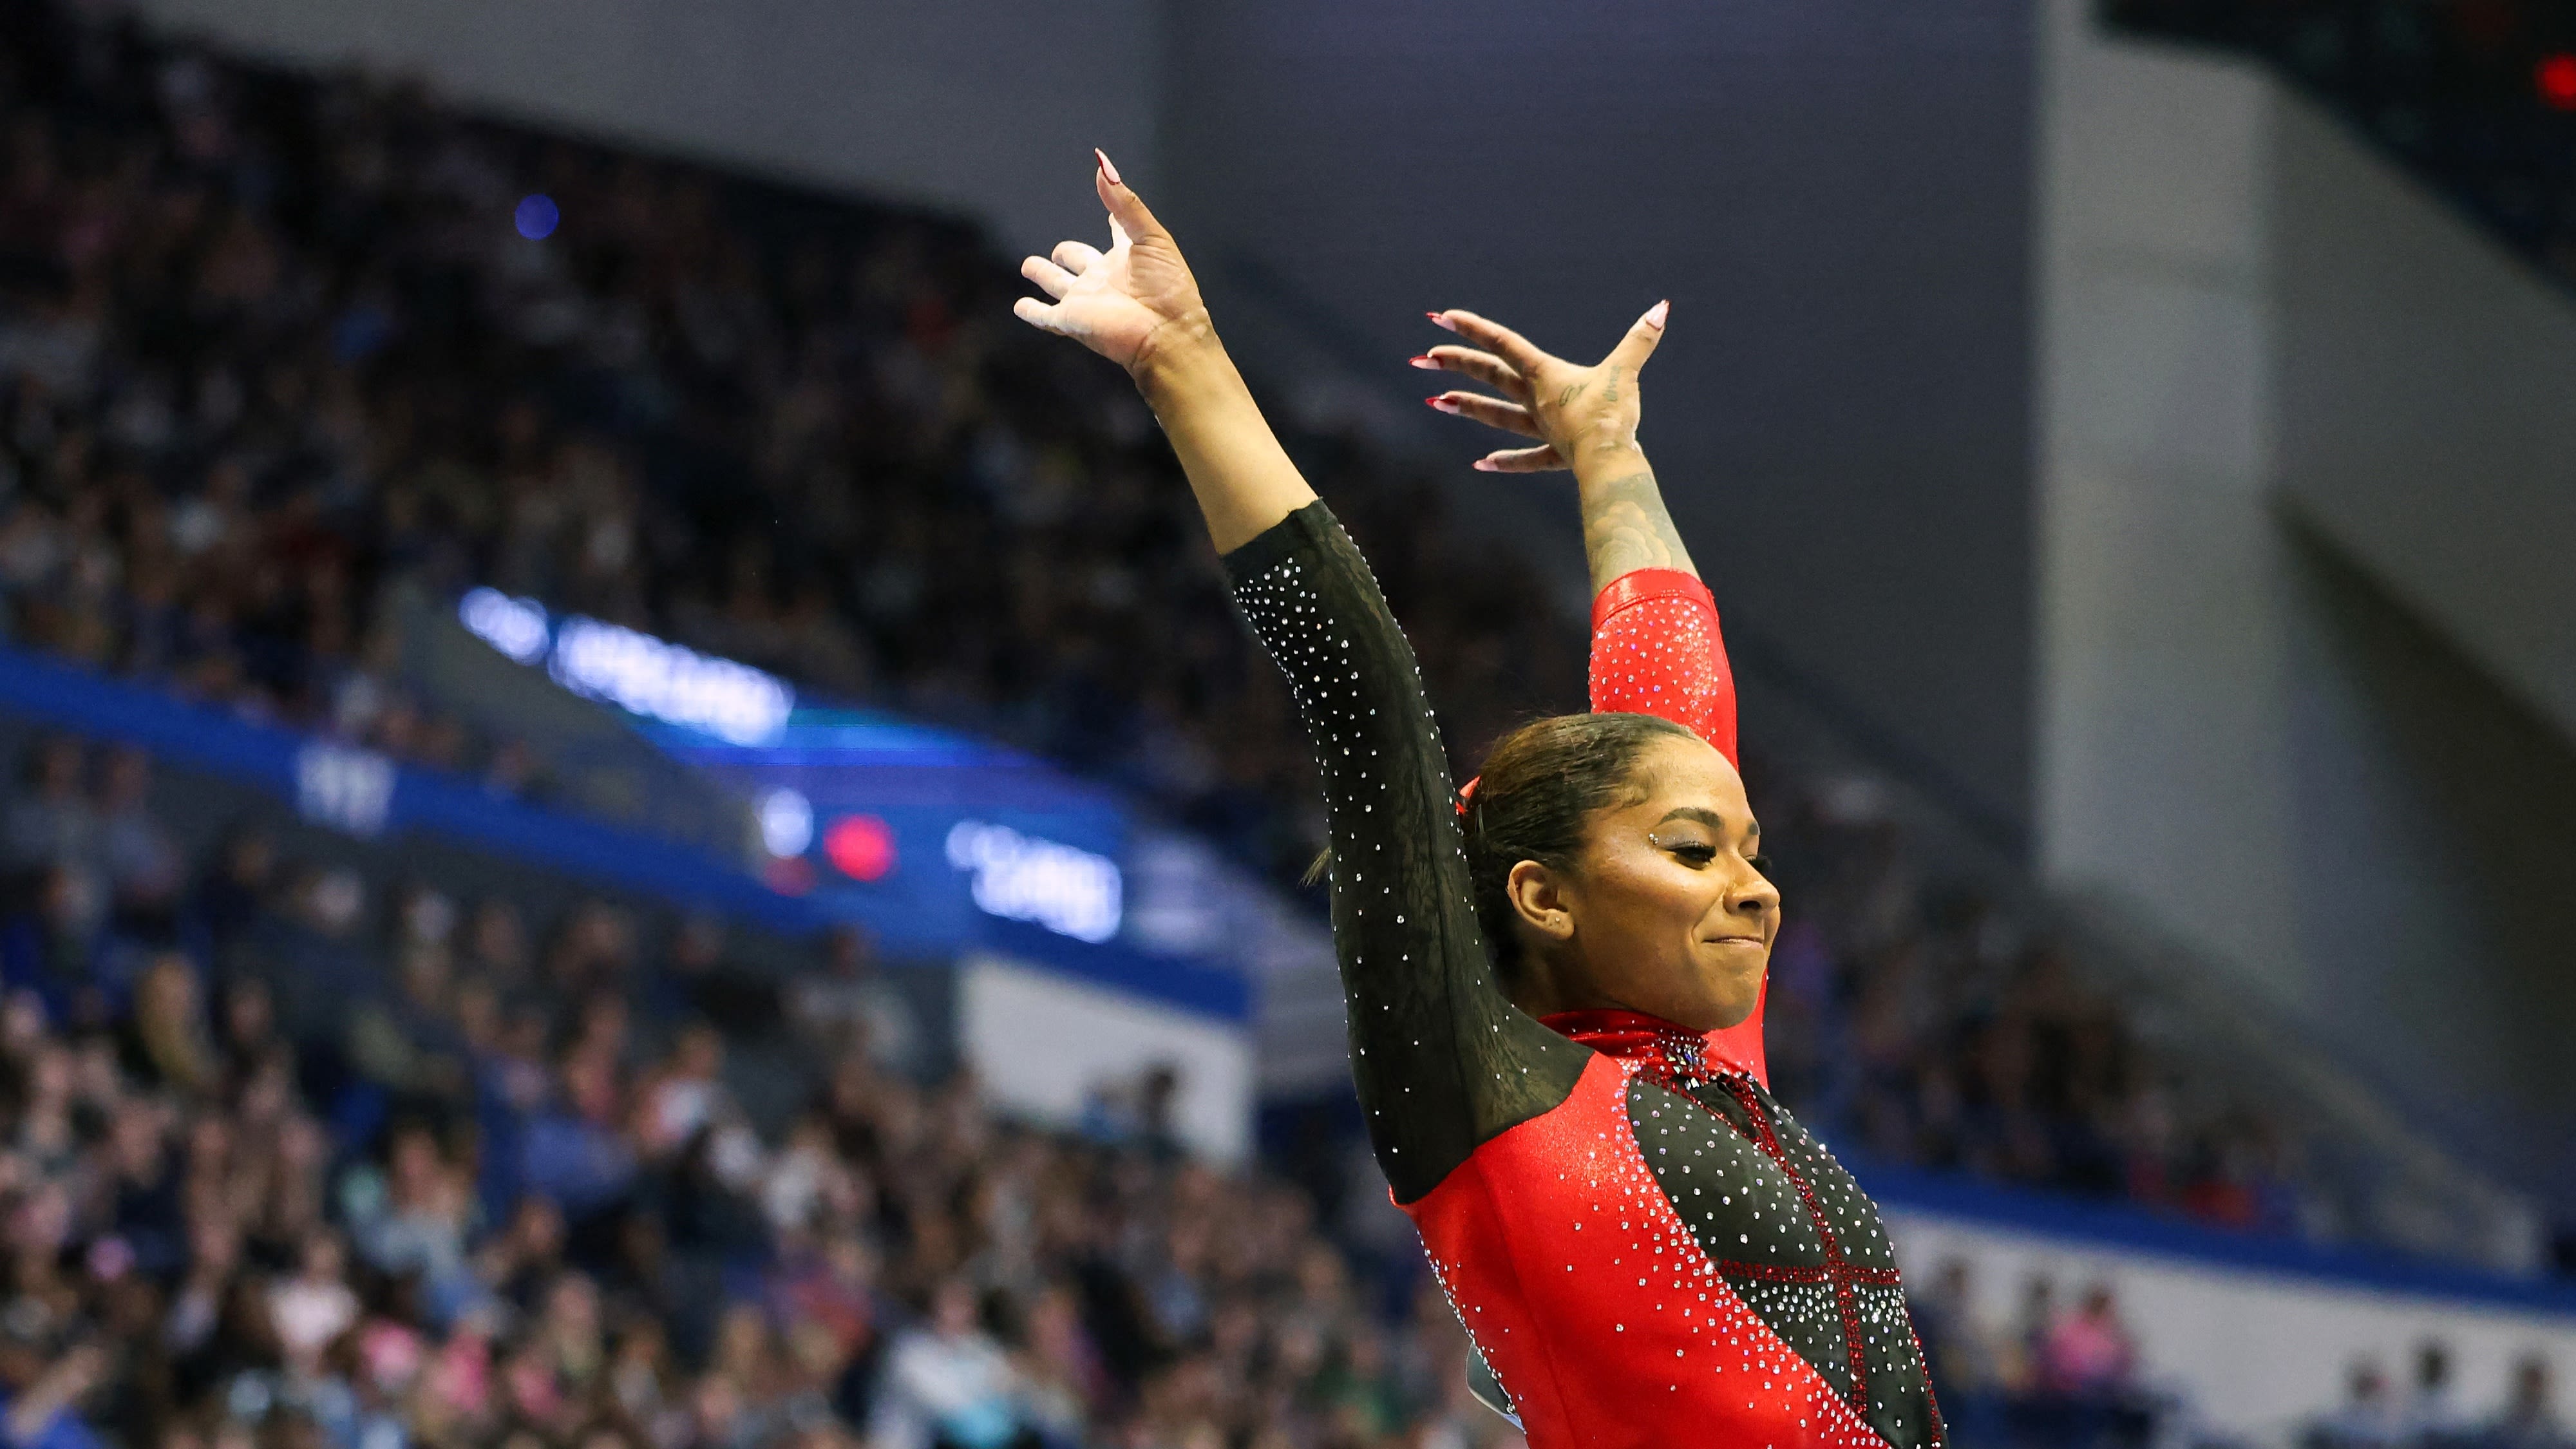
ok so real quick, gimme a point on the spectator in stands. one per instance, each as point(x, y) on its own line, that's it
point(311, 1310)
point(412, 1220)
point(700, 978)
point(166, 1044)
point(2369, 1418)
point(2433, 1412)
point(2530, 1417)
point(685, 1095)
point(59, 948)
point(51, 822)
point(2025, 1368)
point(137, 855)
point(850, 1006)
point(232, 895)
point(949, 1385)
point(41, 1395)
point(2089, 1353)
point(1967, 1361)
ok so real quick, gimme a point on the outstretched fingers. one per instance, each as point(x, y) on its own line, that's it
point(1484, 367)
point(1075, 257)
point(1522, 354)
point(1521, 460)
point(1055, 279)
point(1040, 315)
point(1492, 412)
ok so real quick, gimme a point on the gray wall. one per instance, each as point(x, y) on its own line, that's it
point(2275, 718)
point(2428, 404)
point(2435, 868)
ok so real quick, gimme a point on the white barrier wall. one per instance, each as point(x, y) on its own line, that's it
point(1044, 1044)
point(2257, 1353)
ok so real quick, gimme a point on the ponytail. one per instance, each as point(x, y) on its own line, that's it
point(1541, 787)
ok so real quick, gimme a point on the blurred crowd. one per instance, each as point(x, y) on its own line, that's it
point(2058, 1375)
point(2477, 96)
point(2066, 1374)
point(2429, 1414)
point(1928, 1026)
point(289, 1158)
point(268, 343)
point(283, 1163)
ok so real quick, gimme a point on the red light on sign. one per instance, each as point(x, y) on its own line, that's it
point(2557, 81)
point(860, 847)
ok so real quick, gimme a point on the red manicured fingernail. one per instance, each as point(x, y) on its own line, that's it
point(1442, 404)
point(1106, 168)
point(1486, 465)
point(1656, 314)
point(1425, 363)
point(1441, 320)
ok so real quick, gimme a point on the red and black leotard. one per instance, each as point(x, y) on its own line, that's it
point(1645, 1246)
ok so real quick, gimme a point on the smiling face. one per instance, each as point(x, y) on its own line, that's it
point(1665, 909)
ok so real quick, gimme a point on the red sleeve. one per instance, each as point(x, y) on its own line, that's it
point(1656, 650)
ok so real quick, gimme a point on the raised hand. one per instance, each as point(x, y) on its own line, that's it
point(1577, 413)
point(1116, 302)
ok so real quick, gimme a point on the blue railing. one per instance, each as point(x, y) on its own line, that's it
point(365, 794)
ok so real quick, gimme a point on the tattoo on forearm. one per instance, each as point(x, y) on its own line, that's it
point(1625, 527)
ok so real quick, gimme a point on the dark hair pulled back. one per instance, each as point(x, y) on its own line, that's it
point(1541, 786)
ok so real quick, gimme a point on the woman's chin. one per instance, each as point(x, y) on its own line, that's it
point(1715, 1012)
point(1733, 992)
point(1731, 1015)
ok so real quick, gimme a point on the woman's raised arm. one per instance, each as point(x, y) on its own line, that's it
point(1656, 648)
point(1442, 1060)
point(1137, 305)
point(1655, 642)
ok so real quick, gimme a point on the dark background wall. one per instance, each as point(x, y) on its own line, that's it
point(1834, 193)
point(2436, 870)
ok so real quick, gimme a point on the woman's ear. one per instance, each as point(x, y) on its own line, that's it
point(1539, 896)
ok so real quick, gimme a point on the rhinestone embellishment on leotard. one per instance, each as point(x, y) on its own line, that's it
point(1778, 1218)
point(1635, 1291)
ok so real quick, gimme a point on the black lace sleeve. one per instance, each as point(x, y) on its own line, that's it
point(1442, 1060)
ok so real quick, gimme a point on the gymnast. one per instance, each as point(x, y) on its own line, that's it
point(1552, 979)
